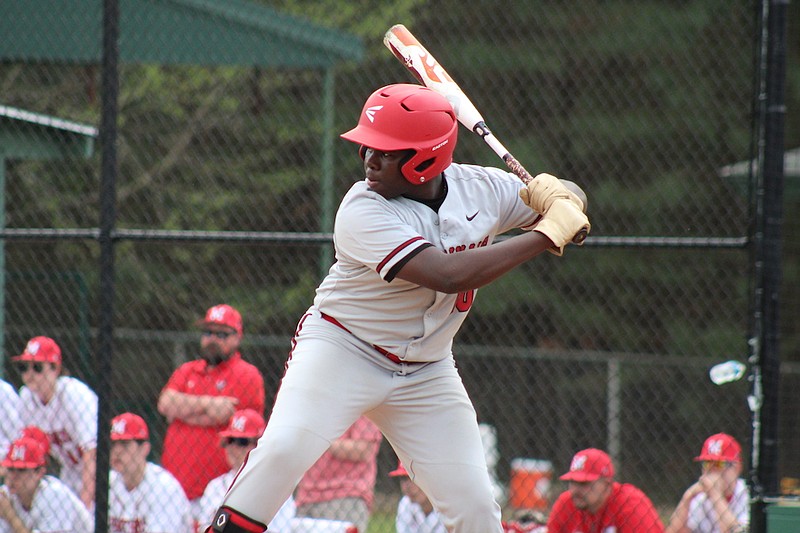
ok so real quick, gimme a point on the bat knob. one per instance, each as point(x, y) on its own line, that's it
point(580, 236)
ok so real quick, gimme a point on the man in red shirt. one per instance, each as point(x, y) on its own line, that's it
point(595, 503)
point(202, 395)
point(341, 484)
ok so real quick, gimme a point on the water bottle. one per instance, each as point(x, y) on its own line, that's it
point(726, 372)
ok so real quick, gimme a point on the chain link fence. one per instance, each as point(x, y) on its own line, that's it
point(230, 171)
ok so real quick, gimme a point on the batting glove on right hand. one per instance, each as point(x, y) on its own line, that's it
point(563, 220)
point(540, 193)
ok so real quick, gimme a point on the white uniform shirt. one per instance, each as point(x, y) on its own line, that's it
point(70, 421)
point(157, 505)
point(374, 236)
point(702, 516)
point(412, 519)
point(215, 492)
point(10, 422)
point(55, 509)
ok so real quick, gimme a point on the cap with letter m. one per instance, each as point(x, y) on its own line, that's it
point(24, 453)
point(40, 350)
point(589, 465)
point(720, 447)
point(129, 426)
point(222, 315)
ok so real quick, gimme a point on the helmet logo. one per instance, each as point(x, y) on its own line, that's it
point(370, 112)
point(440, 145)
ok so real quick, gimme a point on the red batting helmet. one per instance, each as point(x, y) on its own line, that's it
point(409, 117)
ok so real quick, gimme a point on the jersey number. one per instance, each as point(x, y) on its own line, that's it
point(464, 300)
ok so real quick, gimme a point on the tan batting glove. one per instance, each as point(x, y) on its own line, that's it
point(540, 193)
point(564, 219)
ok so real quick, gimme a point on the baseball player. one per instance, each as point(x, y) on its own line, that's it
point(65, 409)
point(719, 500)
point(143, 496)
point(414, 241)
point(10, 423)
point(33, 501)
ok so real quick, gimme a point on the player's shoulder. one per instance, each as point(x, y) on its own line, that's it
point(159, 477)
point(470, 172)
point(68, 385)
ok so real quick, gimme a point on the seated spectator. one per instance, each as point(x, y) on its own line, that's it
point(341, 484)
point(415, 512)
point(64, 408)
point(143, 497)
point(595, 502)
point(238, 439)
point(719, 500)
point(33, 501)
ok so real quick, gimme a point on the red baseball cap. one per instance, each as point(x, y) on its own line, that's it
point(222, 315)
point(129, 426)
point(399, 471)
point(589, 465)
point(40, 349)
point(37, 434)
point(720, 447)
point(246, 423)
point(25, 452)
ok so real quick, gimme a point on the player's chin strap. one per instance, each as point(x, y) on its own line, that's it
point(229, 521)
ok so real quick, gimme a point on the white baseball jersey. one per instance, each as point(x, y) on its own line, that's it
point(55, 509)
point(157, 505)
point(412, 519)
point(70, 421)
point(215, 492)
point(374, 237)
point(702, 516)
point(10, 422)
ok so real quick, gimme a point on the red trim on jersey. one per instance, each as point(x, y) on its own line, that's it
point(397, 251)
point(386, 353)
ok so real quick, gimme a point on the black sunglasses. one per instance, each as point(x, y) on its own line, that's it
point(238, 441)
point(221, 335)
point(26, 367)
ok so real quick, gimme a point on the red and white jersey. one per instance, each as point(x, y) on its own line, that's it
point(55, 509)
point(157, 505)
point(215, 493)
point(412, 519)
point(10, 422)
point(374, 237)
point(702, 516)
point(70, 421)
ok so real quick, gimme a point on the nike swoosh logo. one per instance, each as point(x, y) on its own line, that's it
point(469, 218)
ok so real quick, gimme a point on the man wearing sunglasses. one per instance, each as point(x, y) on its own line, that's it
point(64, 408)
point(143, 497)
point(30, 500)
point(200, 398)
point(595, 503)
point(241, 436)
point(719, 501)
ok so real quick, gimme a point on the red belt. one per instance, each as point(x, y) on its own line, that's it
point(389, 355)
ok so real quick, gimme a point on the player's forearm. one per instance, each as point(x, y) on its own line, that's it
point(680, 516)
point(173, 404)
point(472, 269)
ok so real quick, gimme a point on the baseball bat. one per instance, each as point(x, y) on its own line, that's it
point(430, 73)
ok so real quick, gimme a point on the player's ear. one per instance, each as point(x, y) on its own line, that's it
point(362, 151)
